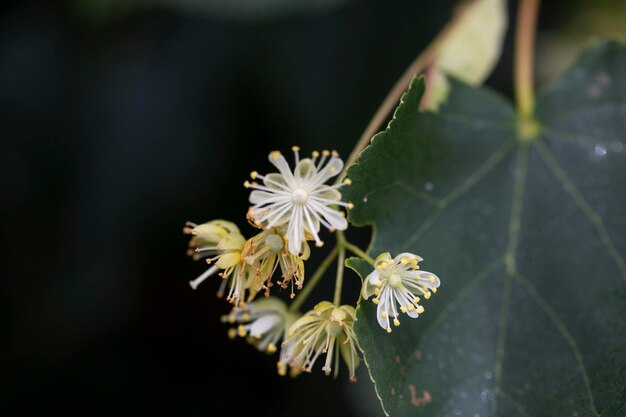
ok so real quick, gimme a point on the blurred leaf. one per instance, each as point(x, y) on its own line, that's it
point(528, 237)
point(240, 9)
point(467, 49)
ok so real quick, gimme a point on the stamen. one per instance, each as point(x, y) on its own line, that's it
point(296, 150)
point(194, 284)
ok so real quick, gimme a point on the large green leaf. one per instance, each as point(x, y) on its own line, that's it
point(528, 237)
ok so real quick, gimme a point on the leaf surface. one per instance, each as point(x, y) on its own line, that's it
point(528, 237)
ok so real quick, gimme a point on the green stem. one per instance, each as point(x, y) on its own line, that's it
point(295, 306)
point(339, 280)
point(358, 252)
point(527, 13)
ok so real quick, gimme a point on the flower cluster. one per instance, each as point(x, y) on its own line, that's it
point(289, 208)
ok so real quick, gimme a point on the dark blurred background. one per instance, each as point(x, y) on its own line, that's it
point(119, 123)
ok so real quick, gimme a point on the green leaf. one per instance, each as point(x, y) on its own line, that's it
point(528, 237)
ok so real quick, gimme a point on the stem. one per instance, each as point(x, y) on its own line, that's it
point(304, 294)
point(358, 252)
point(527, 13)
point(339, 280)
point(341, 244)
point(388, 105)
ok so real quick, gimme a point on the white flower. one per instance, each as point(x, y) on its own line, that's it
point(323, 330)
point(297, 202)
point(398, 281)
point(265, 321)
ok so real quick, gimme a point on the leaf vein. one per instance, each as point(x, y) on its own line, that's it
point(595, 219)
point(562, 328)
point(519, 185)
point(490, 163)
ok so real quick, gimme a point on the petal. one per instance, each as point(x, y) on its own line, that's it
point(264, 324)
point(329, 194)
point(335, 218)
point(373, 278)
point(233, 241)
point(261, 197)
point(382, 306)
point(332, 168)
point(409, 255)
point(275, 181)
point(430, 280)
point(279, 161)
point(228, 260)
point(305, 169)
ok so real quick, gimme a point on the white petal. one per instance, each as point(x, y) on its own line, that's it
point(332, 168)
point(260, 197)
point(374, 278)
point(278, 160)
point(382, 306)
point(305, 169)
point(264, 324)
point(406, 255)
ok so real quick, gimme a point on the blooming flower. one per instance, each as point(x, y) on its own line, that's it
point(398, 281)
point(299, 201)
point(265, 321)
point(324, 329)
point(264, 253)
point(221, 243)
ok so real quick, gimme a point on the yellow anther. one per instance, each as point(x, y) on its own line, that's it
point(295, 148)
point(246, 184)
point(271, 348)
point(275, 154)
point(375, 300)
point(434, 290)
point(325, 152)
point(315, 154)
point(432, 278)
point(411, 307)
point(404, 261)
point(245, 317)
point(416, 300)
point(383, 314)
point(232, 333)
point(376, 291)
point(253, 175)
point(396, 322)
point(319, 244)
point(282, 368)
point(427, 295)
point(420, 309)
point(241, 331)
point(350, 206)
point(379, 284)
point(388, 329)
point(403, 309)
point(347, 181)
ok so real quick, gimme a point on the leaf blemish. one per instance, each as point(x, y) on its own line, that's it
point(595, 90)
point(418, 401)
